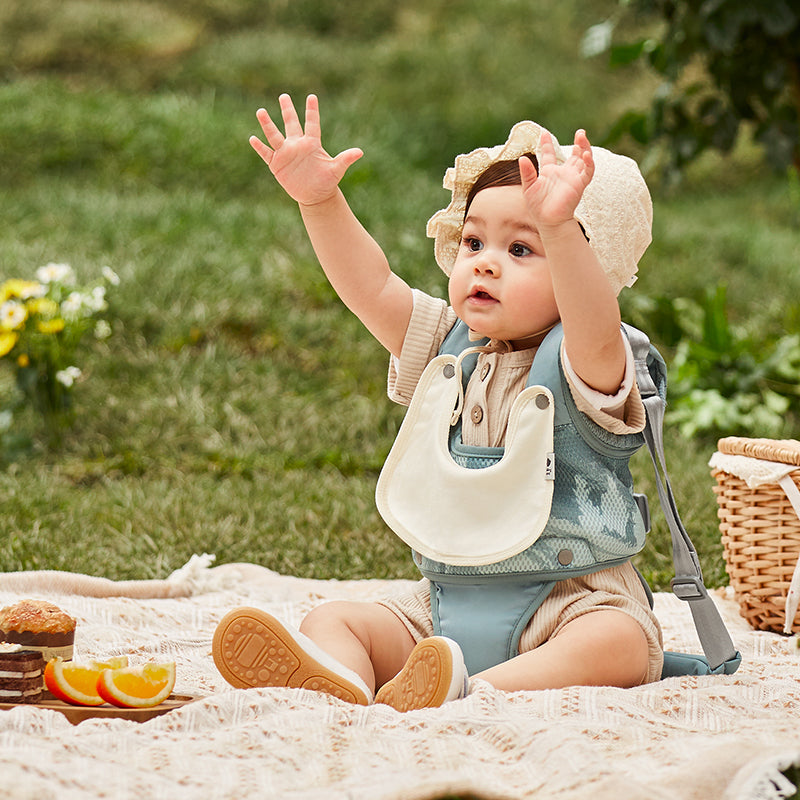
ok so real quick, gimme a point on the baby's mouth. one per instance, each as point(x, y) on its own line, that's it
point(481, 295)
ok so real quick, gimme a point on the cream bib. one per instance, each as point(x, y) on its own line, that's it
point(455, 514)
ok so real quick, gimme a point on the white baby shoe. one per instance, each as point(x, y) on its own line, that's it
point(433, 674)
point(252, 648)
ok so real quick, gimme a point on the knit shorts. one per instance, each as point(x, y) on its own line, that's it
point(614, 588)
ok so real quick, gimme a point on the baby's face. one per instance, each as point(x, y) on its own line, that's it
point(500, 284)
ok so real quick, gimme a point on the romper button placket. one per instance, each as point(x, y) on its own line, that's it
point(476, 414)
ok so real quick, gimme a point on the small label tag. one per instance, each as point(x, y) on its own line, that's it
point(550, 467)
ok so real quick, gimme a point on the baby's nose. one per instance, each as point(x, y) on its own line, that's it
point(486, 265)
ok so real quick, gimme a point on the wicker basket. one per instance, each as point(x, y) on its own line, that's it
point(760, 533)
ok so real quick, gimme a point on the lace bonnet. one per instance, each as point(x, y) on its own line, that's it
point(616, 211)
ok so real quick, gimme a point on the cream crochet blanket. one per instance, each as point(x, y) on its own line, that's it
point(711, 737)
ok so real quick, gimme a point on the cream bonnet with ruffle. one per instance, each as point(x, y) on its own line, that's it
point(616, 211)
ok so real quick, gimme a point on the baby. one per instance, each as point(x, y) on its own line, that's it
point(509, 477)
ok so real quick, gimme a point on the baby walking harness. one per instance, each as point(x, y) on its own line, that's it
point(574, 510)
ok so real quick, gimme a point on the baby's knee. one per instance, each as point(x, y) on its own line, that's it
point(627, 639)
point(327, 616)
point(616, 646)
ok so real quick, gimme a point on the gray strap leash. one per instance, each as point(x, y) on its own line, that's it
point(688, 581)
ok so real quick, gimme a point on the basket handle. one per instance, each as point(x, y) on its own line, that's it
point(793, 595)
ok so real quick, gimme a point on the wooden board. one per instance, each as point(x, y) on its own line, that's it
point(76, 714)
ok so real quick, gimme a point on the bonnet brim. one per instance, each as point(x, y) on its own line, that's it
point(616, 211)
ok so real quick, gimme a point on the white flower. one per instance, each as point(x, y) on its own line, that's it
point(12, 315)
point(68, 376)
point(102, 330)
point(97, 300)
point(33, 290)
point(110, 276)
point(56, 273)
point(71, 307)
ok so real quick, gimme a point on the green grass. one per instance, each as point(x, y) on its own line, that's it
point(238, 408)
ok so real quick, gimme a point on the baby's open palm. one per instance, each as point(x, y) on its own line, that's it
point(555, 192)
point(307, 173)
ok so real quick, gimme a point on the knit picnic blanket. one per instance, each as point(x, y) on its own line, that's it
point(725, 737)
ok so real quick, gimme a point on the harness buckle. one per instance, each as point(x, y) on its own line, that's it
point(688, 587)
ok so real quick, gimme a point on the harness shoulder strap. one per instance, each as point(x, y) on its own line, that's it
point(687, 584)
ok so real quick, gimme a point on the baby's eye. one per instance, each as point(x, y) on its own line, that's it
point(471, 243)
point(520, 250)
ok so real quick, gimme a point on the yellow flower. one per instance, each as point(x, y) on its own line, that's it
point(43, 306)
point(50, 325)
point(23, 360)
point(7, 342)
point(15, 287)
point(9, 289)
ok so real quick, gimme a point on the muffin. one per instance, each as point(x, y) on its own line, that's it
point(21, 674)
point(38, 625)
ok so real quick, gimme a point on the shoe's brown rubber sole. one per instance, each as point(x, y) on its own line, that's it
point(251, 648)
point(424, 681)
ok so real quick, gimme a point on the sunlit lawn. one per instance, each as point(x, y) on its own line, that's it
point(238, 408)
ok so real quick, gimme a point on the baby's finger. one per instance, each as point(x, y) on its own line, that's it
point(527, 172)
point(346, 159)
point(265, 152)
point(313, 128)
point(291, 121)
point(583, 152)
point(271, 130)
point(581, 139)
point(547, 153)
point(582, 142)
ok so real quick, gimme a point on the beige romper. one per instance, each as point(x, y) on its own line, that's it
point(498, 377)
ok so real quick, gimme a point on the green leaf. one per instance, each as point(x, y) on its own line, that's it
point(623, 54)
point(725, 29)
point(634, 123)
point(778, 17)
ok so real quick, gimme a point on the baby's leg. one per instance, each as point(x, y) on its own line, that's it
point(342, 650)
point(601, 648)
point(366, 637)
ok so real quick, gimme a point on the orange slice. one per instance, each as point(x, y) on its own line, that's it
point(77, 683)
point(137, 687)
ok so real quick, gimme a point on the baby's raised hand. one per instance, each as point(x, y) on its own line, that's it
point(555, 192)
point(297, 160)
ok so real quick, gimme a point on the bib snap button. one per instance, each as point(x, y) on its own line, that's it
point(448, 371)
point(542, 401)
point(565, 557)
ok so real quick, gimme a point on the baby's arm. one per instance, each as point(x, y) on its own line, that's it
point(351, 259)
point(586, 302)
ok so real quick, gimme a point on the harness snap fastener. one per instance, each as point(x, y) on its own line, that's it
point(476, 414)
point(565, 557)
point(448, 371)
point(542, 401)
